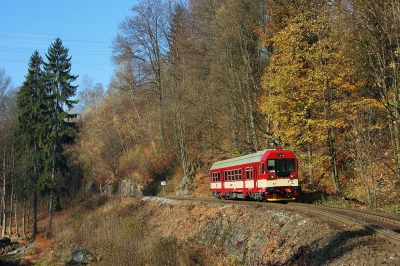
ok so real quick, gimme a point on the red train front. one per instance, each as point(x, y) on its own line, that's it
point(270, 175)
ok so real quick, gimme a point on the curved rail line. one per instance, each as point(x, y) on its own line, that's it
point(382, 225)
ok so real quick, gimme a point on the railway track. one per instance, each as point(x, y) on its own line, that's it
point(382, 225)
point(379, 224)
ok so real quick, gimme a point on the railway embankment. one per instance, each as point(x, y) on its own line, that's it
point(266, 234)
point(205, 231)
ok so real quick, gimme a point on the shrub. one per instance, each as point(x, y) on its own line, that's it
point(395, 209)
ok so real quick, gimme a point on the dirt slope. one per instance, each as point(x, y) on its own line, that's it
point(210, 233)
point(263, 236)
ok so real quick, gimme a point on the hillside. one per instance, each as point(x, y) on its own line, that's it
point(159, 231)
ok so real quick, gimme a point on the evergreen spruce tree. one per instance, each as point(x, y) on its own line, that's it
point(31, 132)
point(61, 129)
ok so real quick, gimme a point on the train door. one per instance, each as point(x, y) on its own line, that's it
point(250, 180)
point(223, 180)
point(261, 177)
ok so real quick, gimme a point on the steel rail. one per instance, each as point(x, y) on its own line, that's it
point(330, 212)
point(386, 234)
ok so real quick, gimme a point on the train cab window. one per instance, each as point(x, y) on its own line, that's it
point(280, 165)
point(285, 167)
point(271, 166)
point(291, 165)
point(262, 168)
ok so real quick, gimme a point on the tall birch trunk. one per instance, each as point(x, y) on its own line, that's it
point(23, 224)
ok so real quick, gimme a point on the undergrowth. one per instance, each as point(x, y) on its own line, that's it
point(117, 234)
point(395, 209)
point(332, 202)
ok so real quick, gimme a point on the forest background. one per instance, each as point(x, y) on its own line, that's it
point(203, 80)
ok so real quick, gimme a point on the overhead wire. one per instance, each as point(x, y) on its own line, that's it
point(87, 45)
point(88, 51)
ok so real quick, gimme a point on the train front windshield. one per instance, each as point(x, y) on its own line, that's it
point(281, 167)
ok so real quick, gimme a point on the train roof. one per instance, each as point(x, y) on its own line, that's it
point(250, 158)
point(246, 159)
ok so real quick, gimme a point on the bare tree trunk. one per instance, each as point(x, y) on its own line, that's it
point(16, 216)
point(3, 198)
point(34, 227)
point(332, 157)
point(23, 220)
point(310, 166)
point(50, 218)
point(11, 210)
point(53, 176)
point(180, 132)
point(268, 132)
point(328, 101)
point(13, 196)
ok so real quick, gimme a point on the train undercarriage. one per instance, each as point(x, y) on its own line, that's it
point(271, 194)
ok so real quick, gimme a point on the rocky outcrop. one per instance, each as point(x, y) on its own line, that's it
point(264, 234)
point(81, 257)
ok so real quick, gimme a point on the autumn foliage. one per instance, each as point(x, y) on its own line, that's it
point(206, 80)
point(240, 76)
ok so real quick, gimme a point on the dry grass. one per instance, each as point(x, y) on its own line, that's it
point(115, 233)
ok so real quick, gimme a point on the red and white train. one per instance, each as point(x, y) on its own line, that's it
point(268, 175)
